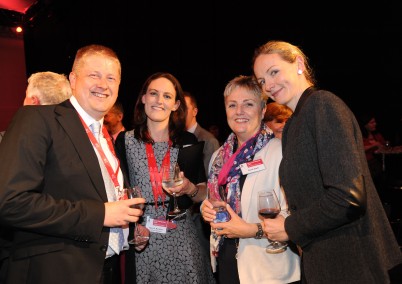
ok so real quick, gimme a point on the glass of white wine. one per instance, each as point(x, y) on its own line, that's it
point(170, 179)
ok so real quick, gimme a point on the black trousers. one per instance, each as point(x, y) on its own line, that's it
point(227, 262)
point(111, 270)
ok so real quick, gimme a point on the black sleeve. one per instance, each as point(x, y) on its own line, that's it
point(190, 158)
point(191, 163)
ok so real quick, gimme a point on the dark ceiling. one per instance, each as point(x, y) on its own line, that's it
point(15, 13)
point(355, 51)
point(20, 6)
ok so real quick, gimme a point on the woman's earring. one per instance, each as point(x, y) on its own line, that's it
point(299, 71)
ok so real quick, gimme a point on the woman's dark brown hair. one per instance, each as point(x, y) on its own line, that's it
point(177, 119)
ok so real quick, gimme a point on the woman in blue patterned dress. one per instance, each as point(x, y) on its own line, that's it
point(173, 254)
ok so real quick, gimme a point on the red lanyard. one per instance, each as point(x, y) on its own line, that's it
point(154, 174)
point(113, 175)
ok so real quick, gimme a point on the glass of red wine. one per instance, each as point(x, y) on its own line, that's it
point(139, 238)
point(269, 207)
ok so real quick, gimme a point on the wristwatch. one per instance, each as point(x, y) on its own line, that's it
point(260, 232)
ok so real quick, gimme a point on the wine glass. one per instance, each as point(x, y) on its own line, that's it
point(135, 192)
point(219, 205)
point(269, 207)
point(171, 178)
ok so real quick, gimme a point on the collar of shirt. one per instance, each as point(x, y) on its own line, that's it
point(85, 116)
point(192, 128)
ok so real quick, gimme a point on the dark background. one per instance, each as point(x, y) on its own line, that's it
point(354, 48)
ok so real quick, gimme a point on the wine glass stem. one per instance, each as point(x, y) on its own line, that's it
point(176, 207)
point(135, 229)
point(133, 240)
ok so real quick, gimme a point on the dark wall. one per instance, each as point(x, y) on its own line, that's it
point(12, 80)
point(354, 51)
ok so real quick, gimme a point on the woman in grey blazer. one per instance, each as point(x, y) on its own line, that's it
point(336, 217)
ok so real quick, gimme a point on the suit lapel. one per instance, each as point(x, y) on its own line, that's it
point(71, 123)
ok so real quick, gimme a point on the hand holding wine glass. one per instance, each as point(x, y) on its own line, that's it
point(140, 237)
point(171, 178)
point(269, 207)
point(219, 205)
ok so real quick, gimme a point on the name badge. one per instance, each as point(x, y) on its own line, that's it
point(252, 167)
point(159, 225)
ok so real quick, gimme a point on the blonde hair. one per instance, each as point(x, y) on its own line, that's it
point(287, 52)
point(49, 87)
point(250, 84)
point(94, 49)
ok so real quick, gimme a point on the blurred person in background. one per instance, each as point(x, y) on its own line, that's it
point(372, 140)
point(47, 88)
point(44, 88)
point(211, 144)
point(114, 120)
point(276, 116)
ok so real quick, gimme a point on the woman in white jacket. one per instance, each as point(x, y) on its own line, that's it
point(238, 246)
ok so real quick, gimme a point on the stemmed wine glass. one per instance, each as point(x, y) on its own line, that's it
point(219, 205)
point(135, 192)
point(269, 207)
point(171, 178)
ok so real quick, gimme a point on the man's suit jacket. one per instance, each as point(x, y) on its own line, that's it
point(52, 192)
point(210, 146)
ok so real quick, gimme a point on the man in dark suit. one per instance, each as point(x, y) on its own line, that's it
point(60, 182)
point(211, 144)
point(44, 88)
